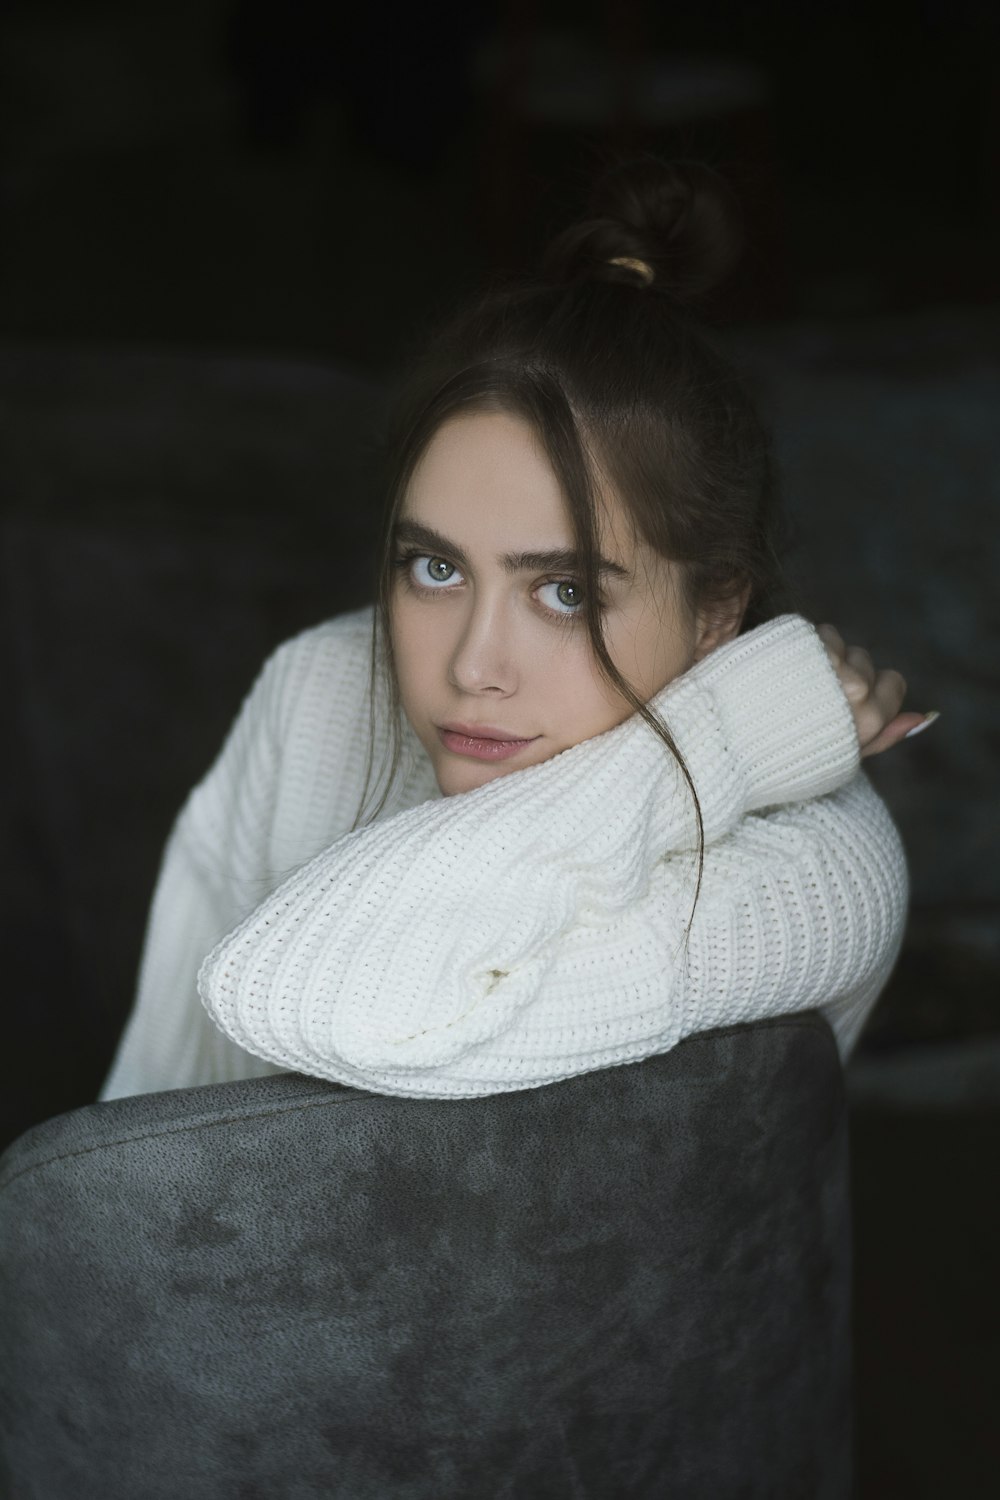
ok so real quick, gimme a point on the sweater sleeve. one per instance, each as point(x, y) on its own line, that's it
point(803, 906)
point(529, 929)
point(205, 886)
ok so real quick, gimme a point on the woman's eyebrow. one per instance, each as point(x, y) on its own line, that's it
point(561, 559)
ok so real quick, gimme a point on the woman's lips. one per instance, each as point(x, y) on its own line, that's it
point(480, 747)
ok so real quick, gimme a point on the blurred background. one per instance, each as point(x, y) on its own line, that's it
point(223, 223)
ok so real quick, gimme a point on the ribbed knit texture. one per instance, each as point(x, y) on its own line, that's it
point(535, 927)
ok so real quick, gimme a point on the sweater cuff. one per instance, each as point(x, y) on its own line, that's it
point(783, 712)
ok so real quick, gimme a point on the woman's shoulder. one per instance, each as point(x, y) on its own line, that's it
point(343, 638)
point(331, 659)
point(310, 689)
point(293, 762)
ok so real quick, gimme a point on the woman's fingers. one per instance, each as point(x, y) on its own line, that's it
point(897, 729)
point(833, 641)
point(888, 690)
point(877, 707)
point(862, 666)
point(875, 697)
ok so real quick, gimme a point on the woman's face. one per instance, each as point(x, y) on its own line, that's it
point(488, 634)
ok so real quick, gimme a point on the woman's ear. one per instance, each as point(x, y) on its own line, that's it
point(720, 623)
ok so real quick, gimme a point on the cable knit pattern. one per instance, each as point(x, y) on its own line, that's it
point(536, 927)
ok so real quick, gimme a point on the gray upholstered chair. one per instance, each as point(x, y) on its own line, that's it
point(632, 1283)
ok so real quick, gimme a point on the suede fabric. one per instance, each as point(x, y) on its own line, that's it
point(634, 1282)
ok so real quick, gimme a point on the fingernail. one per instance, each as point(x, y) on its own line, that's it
point(925, 723)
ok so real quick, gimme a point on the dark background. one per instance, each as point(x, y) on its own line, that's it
point(224, 223)
point(309, 178)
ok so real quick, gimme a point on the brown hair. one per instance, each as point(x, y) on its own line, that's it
point(624, 385)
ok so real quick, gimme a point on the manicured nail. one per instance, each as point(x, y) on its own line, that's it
point(925, 723)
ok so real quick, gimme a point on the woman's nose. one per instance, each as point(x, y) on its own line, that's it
point(482, 659)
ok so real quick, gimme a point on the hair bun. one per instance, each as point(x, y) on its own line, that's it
point(681, 219)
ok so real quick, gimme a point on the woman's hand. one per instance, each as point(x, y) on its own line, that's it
point(875, 697)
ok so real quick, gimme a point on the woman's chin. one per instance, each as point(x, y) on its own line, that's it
point(457, 774)
point(455, 779)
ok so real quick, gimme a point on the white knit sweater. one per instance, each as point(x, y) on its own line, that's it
point(535, 927)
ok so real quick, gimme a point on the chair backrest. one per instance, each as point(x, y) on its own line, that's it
point(635, 1282)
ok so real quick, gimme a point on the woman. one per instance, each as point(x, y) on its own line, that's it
point(619, 800)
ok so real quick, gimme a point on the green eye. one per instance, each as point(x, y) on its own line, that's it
point(568, 598)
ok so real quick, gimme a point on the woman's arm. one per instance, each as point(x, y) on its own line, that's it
point(206, 884)
point(286, 783)
point(169, 1041)
point(219, 860)
point(437, 952)
point(802, 906)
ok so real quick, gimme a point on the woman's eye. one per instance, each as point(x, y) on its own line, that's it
point(567, 596)
point(432, 571)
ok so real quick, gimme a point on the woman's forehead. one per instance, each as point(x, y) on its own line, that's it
point(485, 480)
point(484, 454)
